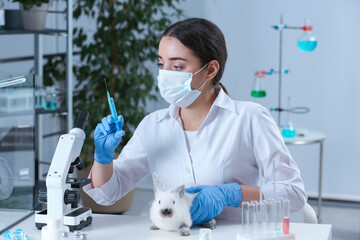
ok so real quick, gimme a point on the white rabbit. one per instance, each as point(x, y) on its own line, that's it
point(171, 209)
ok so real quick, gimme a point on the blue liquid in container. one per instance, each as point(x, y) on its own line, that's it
point(47, 105)
point(50, 105)
point(288, 132)
point(53, 105)
point(307, 46)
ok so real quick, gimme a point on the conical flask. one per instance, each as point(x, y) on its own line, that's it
point(258, 89)
point(288, 131)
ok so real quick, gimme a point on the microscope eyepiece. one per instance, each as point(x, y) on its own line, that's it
point(78, 164)
point(82, 119)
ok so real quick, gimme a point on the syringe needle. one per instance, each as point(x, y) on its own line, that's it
point(107, 90)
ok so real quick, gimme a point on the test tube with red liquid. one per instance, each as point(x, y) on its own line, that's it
point(286, 216)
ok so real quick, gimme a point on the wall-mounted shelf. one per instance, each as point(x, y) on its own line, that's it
point(55, 32)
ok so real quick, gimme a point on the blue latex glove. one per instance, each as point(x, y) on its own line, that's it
point(211, 200)
point(107, 139)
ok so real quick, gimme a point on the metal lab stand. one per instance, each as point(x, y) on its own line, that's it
point(311, 138)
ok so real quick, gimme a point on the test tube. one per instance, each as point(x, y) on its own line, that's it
point(286, 216)
point(245, 218)
point(262, 217)
point(251, 218)
point(254, 216)
point(278, 216)
point(205, 234)
point(270, 217)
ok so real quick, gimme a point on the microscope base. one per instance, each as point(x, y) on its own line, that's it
point(75, 220)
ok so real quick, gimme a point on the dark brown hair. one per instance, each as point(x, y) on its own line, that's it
point(204, 38)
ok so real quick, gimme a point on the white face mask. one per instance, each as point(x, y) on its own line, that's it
point(175, 87)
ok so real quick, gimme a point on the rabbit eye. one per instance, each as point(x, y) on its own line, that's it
point(159, 201)
point(173, 202)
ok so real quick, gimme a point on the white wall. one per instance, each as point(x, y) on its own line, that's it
point(326, 80)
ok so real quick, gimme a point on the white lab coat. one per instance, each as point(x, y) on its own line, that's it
point(229, 142)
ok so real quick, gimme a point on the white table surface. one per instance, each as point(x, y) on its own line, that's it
point(305, 137)
point(135, 227)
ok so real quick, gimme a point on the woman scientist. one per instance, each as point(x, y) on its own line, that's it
point(203, 138)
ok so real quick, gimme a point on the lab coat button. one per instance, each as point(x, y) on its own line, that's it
point(188, 170)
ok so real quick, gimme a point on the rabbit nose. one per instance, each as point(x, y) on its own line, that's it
point(167, 212)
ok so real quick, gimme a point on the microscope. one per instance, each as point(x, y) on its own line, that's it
point(62, 201)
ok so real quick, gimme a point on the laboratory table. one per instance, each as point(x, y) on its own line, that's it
point(311, 137)
point(106, 226)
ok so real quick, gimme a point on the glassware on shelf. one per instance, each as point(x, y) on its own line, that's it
point(39, 98)
point(6, 180)
point(50, 98)
point(16, 99)
point(2, 14)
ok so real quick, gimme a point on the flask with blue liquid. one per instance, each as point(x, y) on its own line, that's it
point(307, 41)
point(288, 131)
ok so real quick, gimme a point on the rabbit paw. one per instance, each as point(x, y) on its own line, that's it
point(210, 224)
point(184, 230)
point(154, 227)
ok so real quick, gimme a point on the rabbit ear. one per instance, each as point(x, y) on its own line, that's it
point(158, 186)
point(179, 191)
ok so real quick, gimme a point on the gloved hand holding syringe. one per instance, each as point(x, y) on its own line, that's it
point(113, 109)
point(108, 133)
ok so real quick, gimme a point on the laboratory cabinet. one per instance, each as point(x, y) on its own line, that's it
point(45, 138)
point(17, 148)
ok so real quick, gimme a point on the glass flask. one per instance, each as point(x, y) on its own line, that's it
point(258, 89)
point(307, 41)
point(288, 131)
point(50, 98)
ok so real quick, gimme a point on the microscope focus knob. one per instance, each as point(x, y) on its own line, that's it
point(42, 196)
point(71, 197)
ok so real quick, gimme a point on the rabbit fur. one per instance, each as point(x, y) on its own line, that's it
point(170, 210)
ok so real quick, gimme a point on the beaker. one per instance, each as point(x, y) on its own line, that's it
point(39, 98)
point(258, 89)
point(307, 41)
point(50, 98)
point(288, 131)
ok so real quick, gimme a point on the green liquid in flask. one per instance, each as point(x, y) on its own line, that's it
point(255, 93)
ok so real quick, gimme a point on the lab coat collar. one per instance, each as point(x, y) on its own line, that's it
point(222, 101)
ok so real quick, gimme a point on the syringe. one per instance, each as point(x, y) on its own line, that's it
point(113, 109)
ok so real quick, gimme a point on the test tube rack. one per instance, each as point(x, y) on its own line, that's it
point(265, 220)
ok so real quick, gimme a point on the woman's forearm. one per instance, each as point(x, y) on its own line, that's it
point(250, 193)
point(101, 174)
